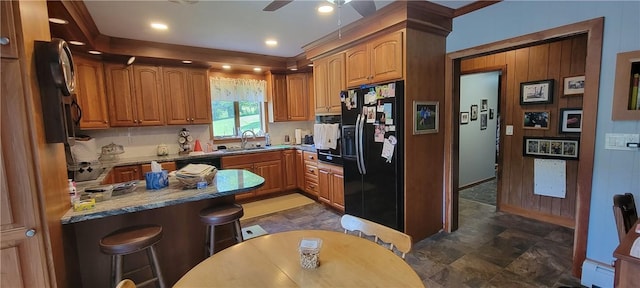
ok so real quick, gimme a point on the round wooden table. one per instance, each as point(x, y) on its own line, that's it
point(273, 261)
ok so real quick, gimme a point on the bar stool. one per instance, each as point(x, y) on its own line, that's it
point(131, 240)
point(221, 215)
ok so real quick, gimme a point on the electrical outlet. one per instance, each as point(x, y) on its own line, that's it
point(620, 141)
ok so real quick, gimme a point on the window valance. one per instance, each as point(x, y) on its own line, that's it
point(234, 89)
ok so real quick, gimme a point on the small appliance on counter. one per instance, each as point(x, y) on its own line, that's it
point(82, 160)
point(111, 151)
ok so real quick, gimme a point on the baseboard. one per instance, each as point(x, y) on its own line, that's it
point(553, 219)
point(476, 183)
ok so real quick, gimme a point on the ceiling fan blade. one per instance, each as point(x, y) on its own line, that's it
point(364, 7)
point(276, 4)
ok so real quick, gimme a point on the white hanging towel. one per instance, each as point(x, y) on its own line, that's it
point(332, 133)
point(318, 136)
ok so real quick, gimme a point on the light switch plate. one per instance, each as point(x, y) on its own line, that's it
point(509, 130)
point(615, 141)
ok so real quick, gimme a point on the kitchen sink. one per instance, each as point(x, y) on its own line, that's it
point(236, 149)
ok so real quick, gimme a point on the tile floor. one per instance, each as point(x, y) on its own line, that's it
point(483, 192)
point(490, 249)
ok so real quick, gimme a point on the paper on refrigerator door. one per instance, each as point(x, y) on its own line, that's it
point(387, 148)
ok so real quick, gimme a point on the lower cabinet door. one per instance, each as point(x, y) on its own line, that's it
point(271, 171)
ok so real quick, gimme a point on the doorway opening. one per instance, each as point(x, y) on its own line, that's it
point(479, 139)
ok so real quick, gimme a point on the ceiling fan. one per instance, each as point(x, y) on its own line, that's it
point(364, 7)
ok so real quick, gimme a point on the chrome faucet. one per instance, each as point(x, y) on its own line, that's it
point(244, 138)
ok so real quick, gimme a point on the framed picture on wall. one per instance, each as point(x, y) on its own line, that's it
point(491, 113)
point(551, 147)
point(573, 85)
point(536, 92)
point(483, 121)
point(464, 117)
point(570, 120)
point(425, 115)
point(538, 119)
point(484, 105)
point(474, 112)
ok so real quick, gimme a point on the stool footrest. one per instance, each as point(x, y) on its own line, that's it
point(136, 270)
point(147, 282)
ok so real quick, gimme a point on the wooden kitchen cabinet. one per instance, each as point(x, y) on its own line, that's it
point(90, 93)
point(126, 173)
point(310, 172)
point(299, 170)
point(134, 94)
point(9, 47)
point(169, 166)
point(289, 169)
point(277, 97)
point(186, 95)
point(266, 164)
point(297, 97)
point(329, 78)
point(375, 61)
point(331, 185)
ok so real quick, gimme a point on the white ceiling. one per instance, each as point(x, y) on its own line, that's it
point(227, 25)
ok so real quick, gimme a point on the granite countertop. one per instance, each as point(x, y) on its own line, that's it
point(226, 182)
point(108, 165)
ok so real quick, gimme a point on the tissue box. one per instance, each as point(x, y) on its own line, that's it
point(157, 180)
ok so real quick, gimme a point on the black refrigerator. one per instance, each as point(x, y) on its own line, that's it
point(372, 153)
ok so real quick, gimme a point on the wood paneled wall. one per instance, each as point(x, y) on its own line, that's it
point(554, 60)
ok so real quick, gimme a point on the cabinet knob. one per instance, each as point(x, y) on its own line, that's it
point(31, 232)
point(5, 40)
point(106, 122)
point(135, 121)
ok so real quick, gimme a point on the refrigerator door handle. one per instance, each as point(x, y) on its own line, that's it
point(361, 154)
point(357, 145)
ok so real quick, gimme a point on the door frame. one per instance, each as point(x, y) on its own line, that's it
point(594, 30)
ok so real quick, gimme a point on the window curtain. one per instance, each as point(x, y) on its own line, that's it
point(232, 89)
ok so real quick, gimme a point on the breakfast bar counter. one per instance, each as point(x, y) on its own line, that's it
point(226, 182)
point(175, 209)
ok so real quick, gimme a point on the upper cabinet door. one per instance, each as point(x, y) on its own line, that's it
point(8, 47)
point(90, 92)
point(297, 97)
point(174, 82)
point(386, 58)
point(200, 95)
point(119, 88)
point(148, 92)
point(336, 82)
point(357, 66)
point(320, 82)
point(278, 97)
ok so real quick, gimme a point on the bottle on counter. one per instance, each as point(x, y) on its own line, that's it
point(73, 192)
point(267, 139)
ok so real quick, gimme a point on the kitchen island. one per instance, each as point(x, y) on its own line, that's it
point(173, 208)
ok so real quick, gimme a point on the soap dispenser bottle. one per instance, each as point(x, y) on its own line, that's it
point(267, 139)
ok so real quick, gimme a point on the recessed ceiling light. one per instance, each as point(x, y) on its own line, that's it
point(94, 52)
point(159, 26)
point(257, 69)
point(58, 21)
point(187, 61)
point(78, 43)
point(310, 65)
point(294, 69)
point(226, 67)
point(325, 8)
point(271, 42)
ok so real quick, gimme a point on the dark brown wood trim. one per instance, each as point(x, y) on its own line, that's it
point(566, 222)
point(594, 29)
point(473, 7)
